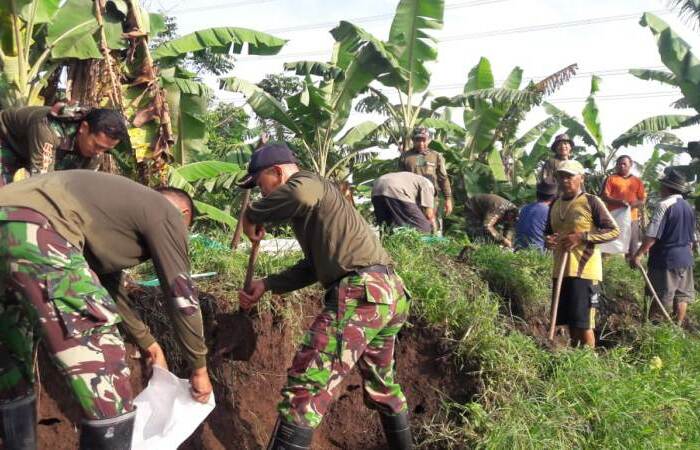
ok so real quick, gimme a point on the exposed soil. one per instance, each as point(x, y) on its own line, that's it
point(616, 320)
point(247, 391)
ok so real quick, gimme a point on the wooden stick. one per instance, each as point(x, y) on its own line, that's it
point(239, 226)
point(555, 296)
point(251, 265)
point(655, 295)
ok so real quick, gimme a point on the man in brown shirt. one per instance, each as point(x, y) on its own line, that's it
point(42, 139)
point(64, 238)
point(404, 199)
point(429, 163)
point(365, 302)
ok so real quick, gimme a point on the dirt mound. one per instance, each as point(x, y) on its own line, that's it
point(247, 392)
point(616, 322)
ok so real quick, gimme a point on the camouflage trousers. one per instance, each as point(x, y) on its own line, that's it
point(48, 292)
point(362, 316)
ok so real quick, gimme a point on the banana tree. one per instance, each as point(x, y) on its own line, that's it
point(38, 36)
point(206, 177)
point(653, 129)
point(688, 9)
point(318, 114)
point(683, 73)
point(486, 153)
point(412, 46)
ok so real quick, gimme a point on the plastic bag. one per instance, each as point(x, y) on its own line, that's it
point(166, 414)
point(623, 217)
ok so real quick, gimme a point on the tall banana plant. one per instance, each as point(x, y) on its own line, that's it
point(318, 114)
point(413, 46)
point(589, 129)
point(37, 36)
point(486, 152)
point(683, 73)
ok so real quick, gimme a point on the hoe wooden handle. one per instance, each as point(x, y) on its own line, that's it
point(556, 295)
point(251, 265)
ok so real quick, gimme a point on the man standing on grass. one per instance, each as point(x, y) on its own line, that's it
point(404, 199)
point(41, 139)
point(577, 223)
point(669, 240)
point(562, 148)
point(365, 303)
point(64, 238)
point(423, 161)
point(491, 218)
point(624, 190)
point(532, 221)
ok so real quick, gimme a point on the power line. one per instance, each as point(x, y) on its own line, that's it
point(492, 33)
point(548, 26)
point(379, 17)
point(617, 97)
point(600, 73)
point(221, 6)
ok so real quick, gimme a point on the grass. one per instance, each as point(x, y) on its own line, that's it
point(644, 393)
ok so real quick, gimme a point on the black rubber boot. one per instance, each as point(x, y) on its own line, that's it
point(287, 436)
point(19, 424)
point(397, 431)
point(108, 434)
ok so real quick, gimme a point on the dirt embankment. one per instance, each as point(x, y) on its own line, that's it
point(247, 392)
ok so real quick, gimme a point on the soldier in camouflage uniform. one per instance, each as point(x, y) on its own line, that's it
point(486, 213)
point(426, 162)
point(64, 239)
point(366, 303)
point(42, 139)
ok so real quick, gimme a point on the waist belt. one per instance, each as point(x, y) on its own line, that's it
point(377, 268)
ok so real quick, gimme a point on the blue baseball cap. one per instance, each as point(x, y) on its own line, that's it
point(266, 156)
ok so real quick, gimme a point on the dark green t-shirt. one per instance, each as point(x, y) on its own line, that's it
point(334, 237)
point(118, 224)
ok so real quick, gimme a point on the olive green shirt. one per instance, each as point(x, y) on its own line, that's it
point(333, 235)
point(549, 170)
point(118, 224)
point(488, 210)
point(431, 165)
point(43, 142)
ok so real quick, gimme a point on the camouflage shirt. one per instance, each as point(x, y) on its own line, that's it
point(333, 235)
point(548, 172)
point(431, 165)
point(118, 224)
point(489, 210)
point(44, 141)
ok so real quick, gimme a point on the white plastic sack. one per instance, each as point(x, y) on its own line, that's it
point(281, 245)
point(623, 217)
point(166, 414)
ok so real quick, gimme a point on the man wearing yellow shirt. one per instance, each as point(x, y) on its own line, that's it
point(577, 223)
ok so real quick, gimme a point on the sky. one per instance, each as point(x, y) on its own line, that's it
point(601, 36)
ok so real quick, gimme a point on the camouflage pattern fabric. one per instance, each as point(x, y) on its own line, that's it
point(65, 126)
point(48, 291)
point(359, 325)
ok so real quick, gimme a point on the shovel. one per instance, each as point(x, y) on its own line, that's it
point(655, 295)
point(235, 332)
point(556, 295)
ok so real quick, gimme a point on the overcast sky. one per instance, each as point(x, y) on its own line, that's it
point(601, 36)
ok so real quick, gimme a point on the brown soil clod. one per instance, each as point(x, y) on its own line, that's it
point(236, 338)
